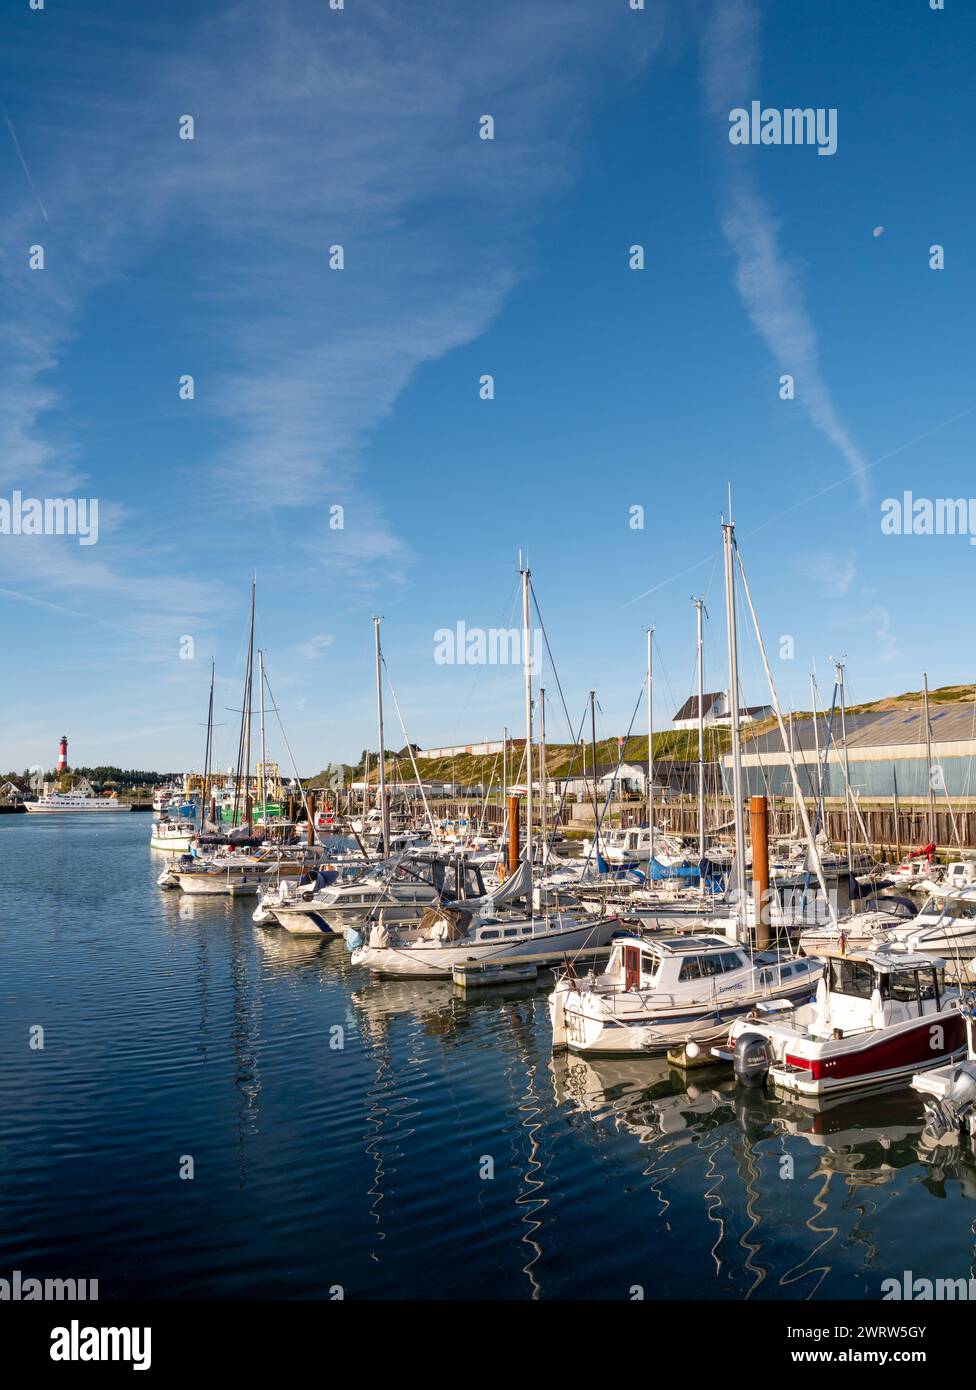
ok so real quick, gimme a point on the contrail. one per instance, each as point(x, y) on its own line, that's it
point(23, 161)
point(41, 603)
point(811, 497)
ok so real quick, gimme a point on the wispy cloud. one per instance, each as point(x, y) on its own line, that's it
point(835, 572)
point(768, 284)
point(316, 646)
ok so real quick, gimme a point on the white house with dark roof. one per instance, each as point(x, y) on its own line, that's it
point(715, 707)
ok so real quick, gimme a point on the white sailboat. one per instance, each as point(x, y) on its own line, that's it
point(478, 933)
point(660, 992)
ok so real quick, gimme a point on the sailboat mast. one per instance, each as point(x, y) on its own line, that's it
point(928, 756)
point(699, 605)
point(264, 785)
point(384, 806)
point(847, 764)
point(542, 763)
point(250, 696)
point(527, 669)
point(815, 786)
point(728, 537)
point(596, 808)
point(208, 750)
point(650, 740)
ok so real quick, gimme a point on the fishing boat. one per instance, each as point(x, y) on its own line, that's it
point(878, 1016)
point(659, 993)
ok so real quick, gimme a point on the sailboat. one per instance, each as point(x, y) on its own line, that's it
point(662, 992)
point(475, 932)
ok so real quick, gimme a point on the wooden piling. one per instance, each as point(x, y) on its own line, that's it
point(759, 817)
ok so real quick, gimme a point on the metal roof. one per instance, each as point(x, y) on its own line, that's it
point(955, 723)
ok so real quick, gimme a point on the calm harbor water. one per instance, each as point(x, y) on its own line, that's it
point(175, 1029)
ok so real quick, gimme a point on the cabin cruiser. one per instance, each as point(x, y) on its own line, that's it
point(290, 892)
point(878, 1016)
point(447, 937)
point(914, 870)
point(401, 891)
point(945, 925)
point(960, 873)
point(175, 835)
point(639, 845)
point(664, 992)
point(857, 931)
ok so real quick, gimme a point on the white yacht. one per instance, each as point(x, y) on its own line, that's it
point(658, 993)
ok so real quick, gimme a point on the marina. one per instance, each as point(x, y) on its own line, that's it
point(586, 1009)
point(487, 761)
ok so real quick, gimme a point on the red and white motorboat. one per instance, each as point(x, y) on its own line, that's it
point(878, 1015)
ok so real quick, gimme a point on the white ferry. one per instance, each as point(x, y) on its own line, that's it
point(60, 803)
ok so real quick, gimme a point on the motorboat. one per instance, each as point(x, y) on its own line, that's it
point(664, 992)
point(945, 925)
point(633, 846)
point(173, 835)
point(878, 1015)
point(858, 931)
point(401, 890)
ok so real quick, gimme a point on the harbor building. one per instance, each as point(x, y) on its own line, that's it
point(887, 753)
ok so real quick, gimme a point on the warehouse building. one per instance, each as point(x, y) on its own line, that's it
point(886, 752)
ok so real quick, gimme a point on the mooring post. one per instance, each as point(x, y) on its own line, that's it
point(759, 817)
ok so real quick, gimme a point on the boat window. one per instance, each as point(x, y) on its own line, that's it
point(902, 986)
point(691, 968)
point(511, 931)
point(852, 977)
point(489, 935)
point(957, 907)
point(649, 968)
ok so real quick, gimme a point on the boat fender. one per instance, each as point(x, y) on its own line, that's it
point(752, 1059)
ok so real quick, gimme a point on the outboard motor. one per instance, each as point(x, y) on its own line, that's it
point(953, 1114)
point(752, 1060)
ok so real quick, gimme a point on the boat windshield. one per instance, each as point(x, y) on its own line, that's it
point(854, 978)
point(959, 907)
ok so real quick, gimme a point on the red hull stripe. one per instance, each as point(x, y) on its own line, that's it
point(913, 1048)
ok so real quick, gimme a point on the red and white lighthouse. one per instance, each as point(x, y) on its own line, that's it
point(63, 754)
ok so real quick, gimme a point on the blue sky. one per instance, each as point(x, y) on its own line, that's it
point(360, 388)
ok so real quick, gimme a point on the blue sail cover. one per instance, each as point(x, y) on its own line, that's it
point(687, 872)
